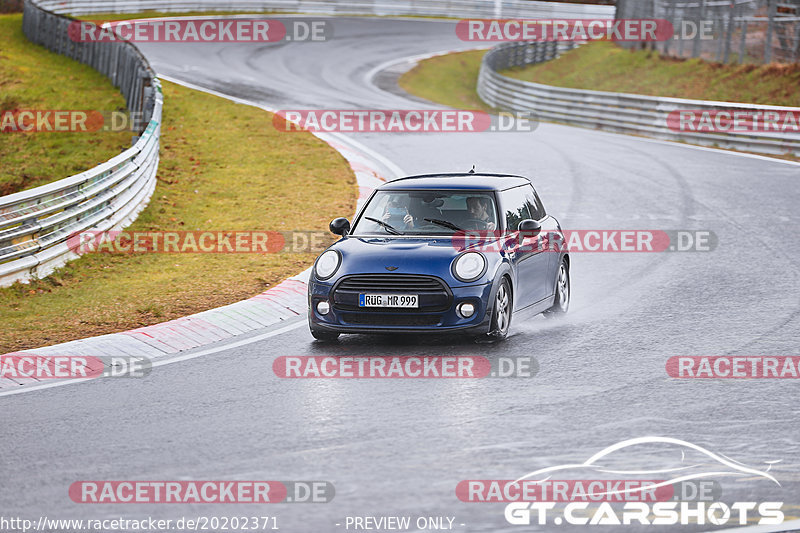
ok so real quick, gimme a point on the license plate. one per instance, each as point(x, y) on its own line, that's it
point(389, 300)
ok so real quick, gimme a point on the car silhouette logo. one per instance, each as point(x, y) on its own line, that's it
point(392, 269)
point(699, 465)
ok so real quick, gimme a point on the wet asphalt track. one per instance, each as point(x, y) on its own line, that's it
point(396, 447)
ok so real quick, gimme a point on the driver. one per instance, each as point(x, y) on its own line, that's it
point(397, 210)
point(478, 208)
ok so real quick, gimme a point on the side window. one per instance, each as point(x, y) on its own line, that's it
point(515, 207)
point(534, 204)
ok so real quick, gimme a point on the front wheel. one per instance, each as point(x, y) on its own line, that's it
point(321, 335)
point(324, 335)
point(501, 313)
point(563, 292)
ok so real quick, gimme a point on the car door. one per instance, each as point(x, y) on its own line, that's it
point(528, 258)
point(548, 240)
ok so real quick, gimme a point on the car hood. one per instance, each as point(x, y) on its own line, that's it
point(431, 256)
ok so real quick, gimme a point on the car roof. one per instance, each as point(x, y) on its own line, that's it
point(461, 181)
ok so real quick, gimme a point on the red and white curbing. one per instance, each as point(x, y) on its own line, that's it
point(282, 302)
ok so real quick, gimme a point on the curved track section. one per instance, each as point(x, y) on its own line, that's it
point(400, 447)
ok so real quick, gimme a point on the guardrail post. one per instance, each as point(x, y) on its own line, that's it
point(743, 44)
point(701, 13)
point(671, 18)
point(149, 102)
point(770, 29)
point(729, 33)
point(796, 48)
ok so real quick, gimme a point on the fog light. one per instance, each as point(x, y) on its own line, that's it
point(323, 307)
point(466, 310)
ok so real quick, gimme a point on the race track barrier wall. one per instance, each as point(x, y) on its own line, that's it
point(444, 8)
point(621, 112)
point(36, 224)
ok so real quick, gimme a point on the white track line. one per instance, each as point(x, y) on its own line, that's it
point(684, 145)
point(396, 170)
point(166, 361)
point(792, 525)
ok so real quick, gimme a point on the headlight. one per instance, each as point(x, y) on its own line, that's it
point(469, 266)
point(327, 264)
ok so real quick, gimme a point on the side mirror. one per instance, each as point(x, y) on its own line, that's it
point(530, 228)
point(340, 226)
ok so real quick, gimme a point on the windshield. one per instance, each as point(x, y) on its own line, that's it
point(427, 213)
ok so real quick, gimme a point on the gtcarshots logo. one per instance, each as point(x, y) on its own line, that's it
point(22, 365)
point(404, 367)
point(402, 121)
point(548, 30)
point(202, 30)
point(643, 503)
point(217, 491)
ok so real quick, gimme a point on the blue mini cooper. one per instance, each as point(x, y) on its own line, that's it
point(444, 253)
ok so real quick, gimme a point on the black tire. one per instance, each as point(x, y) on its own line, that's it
point(320, 335)
point(563, 292)
point(502, 311)
point(324, 336)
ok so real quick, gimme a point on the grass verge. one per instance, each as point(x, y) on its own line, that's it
point(603, 66)
point(223, 167)
point(33, 78)
point(450, 79)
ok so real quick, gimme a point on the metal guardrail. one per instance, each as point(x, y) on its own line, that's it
point(36, 225)
point(617, 112)
point(448, 8)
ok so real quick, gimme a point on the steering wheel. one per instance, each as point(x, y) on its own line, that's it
point(477, 223)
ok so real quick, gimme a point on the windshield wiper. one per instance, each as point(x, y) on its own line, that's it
point(384, 225)
point(444, 223)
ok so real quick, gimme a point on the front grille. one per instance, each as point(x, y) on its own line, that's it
point(434, 295)
point(392, 282)
point(383, 319)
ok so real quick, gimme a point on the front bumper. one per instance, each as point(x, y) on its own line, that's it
point(428, 319)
